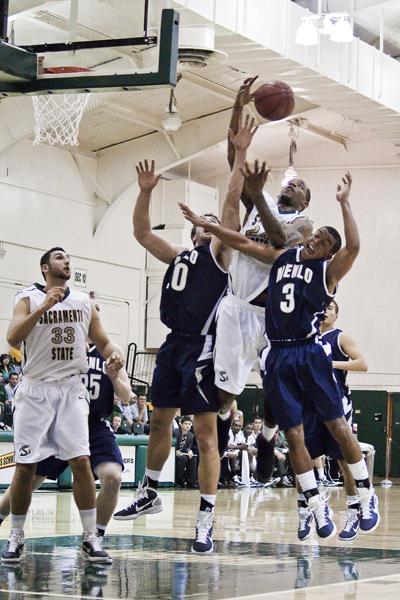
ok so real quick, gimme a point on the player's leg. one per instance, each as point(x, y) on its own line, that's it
point(147, 501)
point(5, 499)
point(109, 474)
point(205, 429)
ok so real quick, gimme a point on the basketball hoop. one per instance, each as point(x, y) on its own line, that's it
point(58, 116)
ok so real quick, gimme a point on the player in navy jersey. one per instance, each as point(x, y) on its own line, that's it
point(298, 369)
point(193, 286)
point(105, 455)
point(345, 357)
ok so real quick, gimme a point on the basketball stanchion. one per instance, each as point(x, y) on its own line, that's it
point(387, 482)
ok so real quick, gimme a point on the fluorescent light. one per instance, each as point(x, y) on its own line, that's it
point(307, 34)
point(289, 175)
point(342, 31)
point(172, 120)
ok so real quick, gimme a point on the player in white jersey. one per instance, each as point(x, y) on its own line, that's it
point(241, 321)
point(51, 405)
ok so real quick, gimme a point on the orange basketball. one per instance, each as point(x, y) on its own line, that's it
point(274, 101)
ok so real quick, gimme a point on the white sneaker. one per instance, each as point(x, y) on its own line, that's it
point(203, 544)
point(15, 547)
point(92, 549)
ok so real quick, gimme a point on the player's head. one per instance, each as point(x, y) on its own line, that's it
point(295, 194)
point(322, 244)
point(56, 263)
point(200, 237)
point(331, 313)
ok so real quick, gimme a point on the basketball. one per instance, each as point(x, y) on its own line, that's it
point(274, 101)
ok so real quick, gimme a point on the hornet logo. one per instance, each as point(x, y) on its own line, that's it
point(24, 450)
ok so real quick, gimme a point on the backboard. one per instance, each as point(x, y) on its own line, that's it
point(112, 45)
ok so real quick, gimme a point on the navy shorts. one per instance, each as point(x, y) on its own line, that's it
point(300, 378)
point(103, 448)
point(318, 438)
point(184, 375)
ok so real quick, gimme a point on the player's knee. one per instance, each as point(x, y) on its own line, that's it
point(225, 400)
point(80, 464)
point(294, 437)
point(25, 471)
point(207, 443)
point(111, 480)
point(340, 430)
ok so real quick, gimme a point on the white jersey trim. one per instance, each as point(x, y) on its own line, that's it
point(215, 260)
point(326, 283)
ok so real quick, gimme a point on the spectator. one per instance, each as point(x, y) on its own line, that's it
point(282, 463)
point(139, 410)
point(3, 393)
point(126, 411)
point(16, 358)
point(118, 426)
point(11, 386)
point(236, 444)
point(257, 425)
point(186, 460)
point(237, 414)
point(5, 366)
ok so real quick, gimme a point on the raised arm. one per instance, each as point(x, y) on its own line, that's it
point(23, 320)
point(155, 244)
point(356, 360)
point(230, 214)
point(345, 257)
point(235, 240)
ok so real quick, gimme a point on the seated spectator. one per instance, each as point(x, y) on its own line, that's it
point(126, 409)
point(139, 410)
point(3, 393)
point(231, 461)
point(5, 366)
point(16, 358)
point(250, 440)
point(257, 425)
point(186, 460)
point(11, 386)
point(118, 425)
point(282, 463)
point(236, 413)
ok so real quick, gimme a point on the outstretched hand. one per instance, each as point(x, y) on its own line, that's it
point(245, 133)
point(192, 216)
point(244, 95)
point(343, 191)
point(254, 180)
point(147, 180)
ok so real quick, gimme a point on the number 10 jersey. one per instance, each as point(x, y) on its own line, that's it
point(56, 347)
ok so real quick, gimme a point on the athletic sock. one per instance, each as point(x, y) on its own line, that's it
point(360, 474)
point(224, 422)
point(152, 478)
point(17, 522)
point(101, 530)
point(224, 416)
point(269, 432)
point(353, 502)
point(321, 473)
point(207, 502)
point(301, 501)
point(88, 518)
point(308, 484)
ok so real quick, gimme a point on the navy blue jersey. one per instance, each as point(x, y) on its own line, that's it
point(297, 296)
point(99, 386)
point(332, 337)
point(193, 286)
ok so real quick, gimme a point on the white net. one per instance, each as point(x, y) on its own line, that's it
point(57, 118)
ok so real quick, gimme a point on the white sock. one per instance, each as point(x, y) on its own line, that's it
point(359, 470)
point(88, 518)
point(269, 432)
point(209, 498)
point(155, 475)
point(307, 481)
point(17, 522)
point(224, 416)
point(301, 497)
point(321, 473)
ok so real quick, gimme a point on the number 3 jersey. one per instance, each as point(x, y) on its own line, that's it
point(193, 287)
point(297, 296)
point(56, 347)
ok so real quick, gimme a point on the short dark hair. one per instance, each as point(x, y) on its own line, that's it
point(185, 418)
point(45, 259)
point(193, 230)
point(336, 236)
point(257, 417)
point(12, 373)
point(308, 195)
point(336, 306)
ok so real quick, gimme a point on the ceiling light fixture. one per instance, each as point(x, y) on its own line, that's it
point(172, 120)
point(342, 31)
point(291, 173)
point(307, 34)
point(336, 25)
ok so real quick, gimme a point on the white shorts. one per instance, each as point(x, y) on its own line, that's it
point(240, 339)
point(51, 419)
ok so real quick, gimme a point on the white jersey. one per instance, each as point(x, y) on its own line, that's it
point(56, 347)
point(248, 277)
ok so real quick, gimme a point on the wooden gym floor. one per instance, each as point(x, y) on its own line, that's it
point(257, 552)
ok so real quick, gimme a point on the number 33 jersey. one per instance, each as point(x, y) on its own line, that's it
point(193, 287)
point(297, 296)
point(56, 347)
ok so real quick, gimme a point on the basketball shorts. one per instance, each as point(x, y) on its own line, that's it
point(103, 449)
point(318, 438)
point(240, 339)
point(50, 419)
point(184, 375)
point(298, 379)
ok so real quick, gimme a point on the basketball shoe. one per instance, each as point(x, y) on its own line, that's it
point(147, 502)
point(326, 528)
point(370, 517)
point(306, 518)
point(203, 544)
point(92, 549)
point(352, 525)
point(15, 547)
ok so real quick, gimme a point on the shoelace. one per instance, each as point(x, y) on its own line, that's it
point(96, 541)
point(366, 507)
point(204, 525)
point(321, 514)
point(303, 518)
point(14, 541)
point(352, 518)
